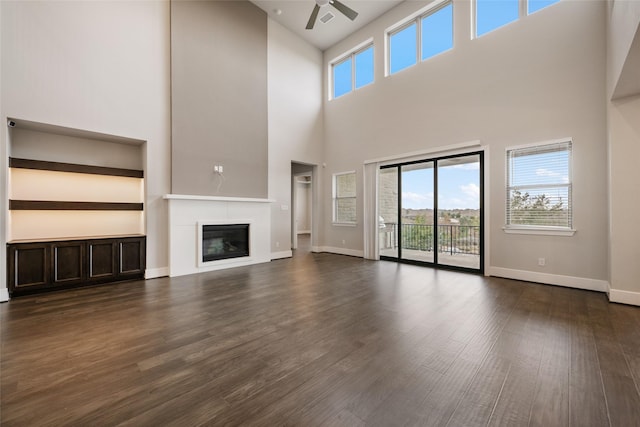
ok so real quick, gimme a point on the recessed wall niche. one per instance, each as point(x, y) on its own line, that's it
point(67, 183)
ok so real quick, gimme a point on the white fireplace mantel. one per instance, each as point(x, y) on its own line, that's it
point(215, 198)
point(188, 212)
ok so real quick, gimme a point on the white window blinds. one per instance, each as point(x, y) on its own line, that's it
point(539, 186)
point(344, 197)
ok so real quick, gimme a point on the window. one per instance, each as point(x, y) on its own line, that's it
point(423, 37)
point(536, 5)
point(539, 186)
point(353, 71)
point(344, 198)
point(364, 67)
point(437, 32)
point(342, 77)
point(492, 14)
point(403, 45)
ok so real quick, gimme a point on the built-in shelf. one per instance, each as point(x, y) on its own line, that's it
point(45, 205)
point(75, 168)
point(75, 208)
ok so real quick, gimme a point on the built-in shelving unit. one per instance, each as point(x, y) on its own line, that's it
point(73, 223)
point(71, 167)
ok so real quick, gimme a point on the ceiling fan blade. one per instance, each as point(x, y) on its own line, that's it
point(312, 18)
point(346, 10)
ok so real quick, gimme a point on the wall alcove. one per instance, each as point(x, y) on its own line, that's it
point(76, 208)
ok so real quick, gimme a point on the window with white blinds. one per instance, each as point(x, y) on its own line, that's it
point(344, 198)
point(539, 186)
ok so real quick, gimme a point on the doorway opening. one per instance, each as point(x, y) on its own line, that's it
point(302, 206)
point(431, 212)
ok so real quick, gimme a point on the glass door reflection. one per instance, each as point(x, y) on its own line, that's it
point(416, 220)
point(458, 220)
point(388, 211)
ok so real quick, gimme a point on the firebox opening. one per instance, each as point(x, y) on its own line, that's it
point(224, 241)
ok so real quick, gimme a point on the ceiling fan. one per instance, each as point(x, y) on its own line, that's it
point(341, 7)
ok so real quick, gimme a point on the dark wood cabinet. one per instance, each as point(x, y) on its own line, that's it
point(102, 259)
point(28, 266)
point(132, 257)
point(40, 266)
point(68, 262)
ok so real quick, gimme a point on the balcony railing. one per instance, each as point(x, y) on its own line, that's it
point(452, 239)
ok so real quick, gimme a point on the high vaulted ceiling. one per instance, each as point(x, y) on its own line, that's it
point(294, 15)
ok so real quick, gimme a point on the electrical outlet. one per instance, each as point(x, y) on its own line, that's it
point(277, 244)
point(344, 242)
point(541, 262)
point(220, 169)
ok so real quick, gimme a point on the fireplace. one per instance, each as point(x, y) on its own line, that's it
point(224, 241)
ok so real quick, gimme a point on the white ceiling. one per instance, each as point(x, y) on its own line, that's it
point(295, 14)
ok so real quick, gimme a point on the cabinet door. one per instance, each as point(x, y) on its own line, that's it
point(132, 253)
point(29, 265)
point(101, 259)
point(68, 262)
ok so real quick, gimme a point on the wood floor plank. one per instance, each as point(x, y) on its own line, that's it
point(587, 403)
point(320, 340)
point(550, 406)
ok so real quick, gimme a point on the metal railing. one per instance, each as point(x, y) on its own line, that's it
point(452, 239)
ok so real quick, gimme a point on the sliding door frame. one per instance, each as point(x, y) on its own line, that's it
point(435, 263)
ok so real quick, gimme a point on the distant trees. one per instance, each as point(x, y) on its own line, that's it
point(418, 235)
point(536, 210)
point(457, 238)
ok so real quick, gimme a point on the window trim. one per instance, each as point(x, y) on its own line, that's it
point(334, 198)
point(415, 18)
point(539, 229)
point(350, 54)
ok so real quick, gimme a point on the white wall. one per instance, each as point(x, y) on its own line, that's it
point(295, 124)
point(624, 150)
point(623, 34)
point(537, 79)
point(97, 66)
point(303, 207)
point(624, 140)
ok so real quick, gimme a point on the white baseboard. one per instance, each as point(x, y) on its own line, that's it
point(281, 254)
point(339, 251)
point(154, 273)
point(551, 279)
point(624, 297)
point(4, 295)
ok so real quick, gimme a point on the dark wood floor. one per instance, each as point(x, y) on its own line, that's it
point(316, 340)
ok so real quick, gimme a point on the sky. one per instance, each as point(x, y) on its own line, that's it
point(459, 187)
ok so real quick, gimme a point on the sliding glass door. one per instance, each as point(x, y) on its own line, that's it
point(459, 211)
point(431, 212)
point(417, 233)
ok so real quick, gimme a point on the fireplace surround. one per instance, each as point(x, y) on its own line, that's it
point(187, 215)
